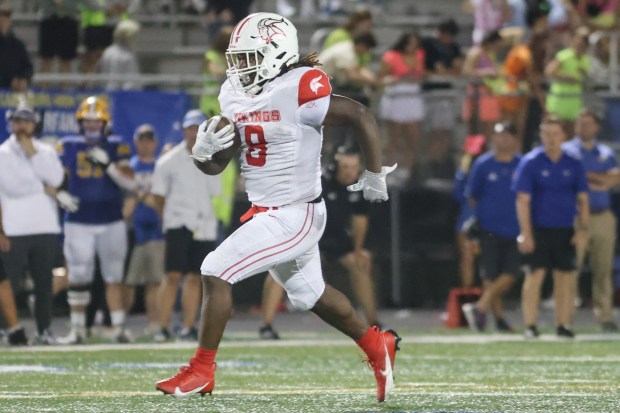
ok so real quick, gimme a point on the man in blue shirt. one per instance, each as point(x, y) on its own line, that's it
point(97, 168)
point(146, 266)
point(489, 192)
point(601, 167)
point(551, 189)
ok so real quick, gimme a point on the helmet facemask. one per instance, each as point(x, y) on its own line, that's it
point(246, 70)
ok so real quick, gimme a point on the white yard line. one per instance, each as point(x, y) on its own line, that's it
point(430, 339)
point(293, 392)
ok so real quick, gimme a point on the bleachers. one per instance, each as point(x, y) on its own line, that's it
point(175, 44)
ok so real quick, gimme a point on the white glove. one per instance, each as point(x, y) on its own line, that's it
point(208, 142)
point(373, 184)
point(67, 201)
point(99, 156)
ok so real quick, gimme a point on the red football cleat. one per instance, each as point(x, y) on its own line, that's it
point(383, 365)
point(189, 380)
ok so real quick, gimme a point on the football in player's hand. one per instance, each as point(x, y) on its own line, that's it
point(227, 154)
point(222, 158)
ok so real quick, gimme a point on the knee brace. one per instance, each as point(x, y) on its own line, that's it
point(79, 295)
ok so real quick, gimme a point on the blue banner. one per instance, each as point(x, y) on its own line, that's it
point(130, 109)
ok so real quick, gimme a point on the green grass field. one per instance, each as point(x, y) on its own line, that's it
point(322, 373)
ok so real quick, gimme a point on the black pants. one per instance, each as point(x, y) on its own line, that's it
point(36, 253)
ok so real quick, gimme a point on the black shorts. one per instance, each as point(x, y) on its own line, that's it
point(553, 250)
point(334, 248)
point(98, 37)
point(498, 255)
point(2, 271)
point(183, 253)
point(58, 36)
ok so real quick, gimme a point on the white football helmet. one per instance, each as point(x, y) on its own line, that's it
point(260, 46)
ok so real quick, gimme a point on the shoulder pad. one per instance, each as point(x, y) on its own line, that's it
point(313, 84)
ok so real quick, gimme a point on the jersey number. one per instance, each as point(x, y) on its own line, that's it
point(257, 145)
point(85, 169)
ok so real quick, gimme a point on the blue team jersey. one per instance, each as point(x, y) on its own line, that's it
point(147, 225)
point(101, 200)
point(489, 184)
point(600, 159)
point(553, 187)
point(458, 193)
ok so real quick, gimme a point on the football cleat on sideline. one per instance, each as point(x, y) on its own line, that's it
point(75, 336)
point(475, 318)
point(188, 381)
point(383, 366)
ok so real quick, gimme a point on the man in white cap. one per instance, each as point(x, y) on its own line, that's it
point(30, 172)
point(182, 195)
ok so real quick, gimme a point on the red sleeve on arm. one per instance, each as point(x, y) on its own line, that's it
point(313, 85)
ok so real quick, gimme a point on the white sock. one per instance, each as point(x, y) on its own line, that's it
point(118, 318)
point(78, 319)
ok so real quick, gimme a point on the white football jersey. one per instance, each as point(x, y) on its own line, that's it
point(281, 136)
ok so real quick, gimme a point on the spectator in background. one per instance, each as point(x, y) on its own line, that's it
point(551, 189)
point(489, 16)
point(442, 57)
point(517, 13)
point(238, 9)
point(183, 196)
point(345, 231)
point(598, 14)
point(97, 167)
point(490, 194)
point(221, 13)
point(349, 78)
point(482, 66)
point(474, 146)
point(359, 22)
point(538, 17)
point(401, 105)
point(523, 81)
point(442, 53)
point(568, 72)
point(120, 59)
point(341, 61)
point(16, 67)
point(8, 310)
point(602, 170)
point(271, 298)
point(214, 69)
point(58, 33)
point(99, 18)
point(30, 214)
point(146, 266)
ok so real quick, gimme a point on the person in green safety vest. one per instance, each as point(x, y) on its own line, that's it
point(223, 204)
point(98, 20)
point(359, 21)
point(568, 71)
point(214, 69)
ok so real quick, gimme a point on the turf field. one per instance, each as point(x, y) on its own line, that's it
point(321, 372)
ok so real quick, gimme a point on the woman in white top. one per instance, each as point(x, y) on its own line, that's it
point(402, 106)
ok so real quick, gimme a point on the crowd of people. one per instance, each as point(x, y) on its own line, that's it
point(525, 72)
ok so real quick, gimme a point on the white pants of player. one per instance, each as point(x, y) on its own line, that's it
point(83, 241)
point(283, 242)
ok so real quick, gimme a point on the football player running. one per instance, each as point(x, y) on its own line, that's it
point(97, 167)
point(279, 104)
